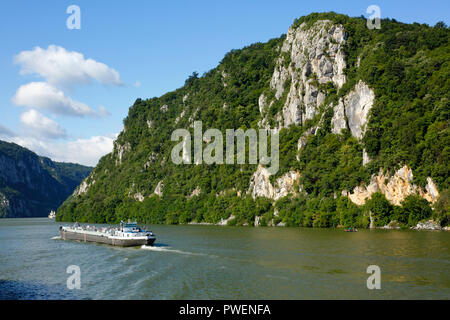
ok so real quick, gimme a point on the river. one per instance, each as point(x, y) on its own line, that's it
point(212, 262)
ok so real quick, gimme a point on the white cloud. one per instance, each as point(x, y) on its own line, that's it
point(42, 95)
point(64, 68)
point(5, 132)
point(39, 125)
point(61, 70)
point(103, 112)
point(82, 151)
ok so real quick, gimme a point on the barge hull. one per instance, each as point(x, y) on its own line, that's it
point(67, 235)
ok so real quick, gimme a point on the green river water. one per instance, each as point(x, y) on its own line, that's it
point(212, 262)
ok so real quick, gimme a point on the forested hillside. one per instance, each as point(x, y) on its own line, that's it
point(363, 122)
point(32, 186)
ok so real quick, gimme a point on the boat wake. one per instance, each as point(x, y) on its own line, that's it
point(168, 249)
point(55, 238)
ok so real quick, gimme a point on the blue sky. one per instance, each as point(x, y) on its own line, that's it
point(152, 45)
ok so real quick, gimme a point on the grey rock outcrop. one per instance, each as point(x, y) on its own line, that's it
point(358, 103)
point(352, 112)
point(303, 140)
point(310, 56)
point(427, 225)
point(366, 158)
point(158, 189)
point(339, 122)
point(395, 188)
point(139, 197)
point(120, 150)
point(84, 186)
point(260, 185)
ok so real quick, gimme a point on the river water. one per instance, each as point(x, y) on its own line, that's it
point(211, 262)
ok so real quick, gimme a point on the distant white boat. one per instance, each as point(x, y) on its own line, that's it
point(52, 215)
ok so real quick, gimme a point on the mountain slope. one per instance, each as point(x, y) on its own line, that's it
point(363, 122)
point(31, 186)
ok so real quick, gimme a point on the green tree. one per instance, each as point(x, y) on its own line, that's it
point(416, 209)
point(380, 208)
point(442, 208)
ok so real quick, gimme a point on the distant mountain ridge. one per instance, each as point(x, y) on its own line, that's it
point(32, 186)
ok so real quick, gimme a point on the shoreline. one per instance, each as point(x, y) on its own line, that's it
point(428, 225)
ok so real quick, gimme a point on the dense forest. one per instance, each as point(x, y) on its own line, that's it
point(406, 65)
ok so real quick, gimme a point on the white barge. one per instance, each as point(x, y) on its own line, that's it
point(127, 235)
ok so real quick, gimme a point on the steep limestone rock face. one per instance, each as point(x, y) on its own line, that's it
point(304, 139)
point(358, 103)
point(14, 207)
point(120, 150)
point(366, 158)
point(318, 49)
point(158, 189)
point(285, 184)
point(262, 102)
point(84, 186)
point(19, 171)
point(339, 122)
point(431, 189)
point(395, 188)
point(352, 112)
point(31, 186)
point(309, 56)
point(260, 185)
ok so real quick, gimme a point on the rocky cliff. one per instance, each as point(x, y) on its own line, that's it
point(31, 186)
point(351, 106)
point(395, 188)
point(260, 185)
point(309, 56)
